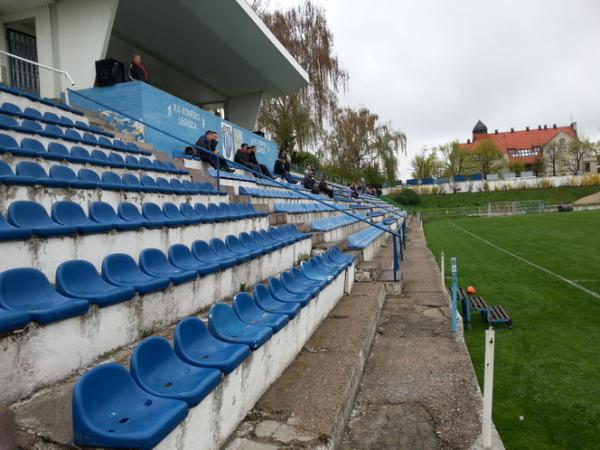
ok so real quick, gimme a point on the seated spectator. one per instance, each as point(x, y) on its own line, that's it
point(137, 71)
point(263, 169)
point(282, 168)
point(242, 157)
point(323, 187)
point(309, 181)
point(353, 190)
point(209, 142)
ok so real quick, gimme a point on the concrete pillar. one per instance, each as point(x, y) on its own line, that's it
point(50, 83)
point(243, 110)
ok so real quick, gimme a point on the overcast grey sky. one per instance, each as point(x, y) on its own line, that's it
point(434, 67)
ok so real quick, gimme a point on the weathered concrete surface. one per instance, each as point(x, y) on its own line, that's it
point(310, 404)
point(418, 390)
point(8, 429)
point(592, 199)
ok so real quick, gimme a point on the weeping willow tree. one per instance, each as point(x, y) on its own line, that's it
point(296, 120)
point(358, 143)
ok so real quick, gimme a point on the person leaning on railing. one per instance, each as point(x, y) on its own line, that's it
point(282, 168)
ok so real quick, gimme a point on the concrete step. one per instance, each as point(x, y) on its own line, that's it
point(309, 406)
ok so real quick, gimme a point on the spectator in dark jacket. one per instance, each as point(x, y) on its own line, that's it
point(263, 169)
point(242, 156)
point(309, 181)
point(209, 142)
point(137, 71)
point(282, 168)
point(323, 187)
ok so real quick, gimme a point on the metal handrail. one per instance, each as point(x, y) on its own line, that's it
point(400, 236)
point(64, 73)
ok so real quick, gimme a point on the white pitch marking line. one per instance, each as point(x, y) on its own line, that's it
point(543, 269)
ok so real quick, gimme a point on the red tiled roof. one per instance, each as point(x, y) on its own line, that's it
point(520, 139)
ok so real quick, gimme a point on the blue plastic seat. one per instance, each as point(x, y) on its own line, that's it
point(195, 345)
point(133, 183)
point(9, 232)
point(111, 410)
point(192, 188)
point(13, 110)
point(159, 166)
point(28, 290)
point(336, 255)
point(267, 246)
point(34, 170)
point(249, 243)
point(33, 216)
point(132, 162)
point(280, 293)
point(99, 158)
point(180, 256)
point(158, 370)
point(205, 253)
point(58, 152)
point(294, 284)
point(8, 144)
point(103, 141)
point(102, 212)
point(129, 212)
point(190, 213)
point(121, 270)
point(234, 245)
point(178, 187)
point(7, 176)
point(163, 185)
point(65, 175)
point(155, 263)
point(173, 214)
point(71, 214)
point(50, 117)
point(302, 280)
point(265, 300)
point(112, 181)
point(250, 312)
point(220, 249)
point(224, 324)
point(31, 147)
point(116, 160)
point(89, 179)
point(152, 212)
point(89, 139)
point(9, 123)
point(79, 278)
point(145, 163)
point(72, 135)
point(12, 320)
point(53, 131)
point(149, 185)
point(204, 214)
point(312, 273)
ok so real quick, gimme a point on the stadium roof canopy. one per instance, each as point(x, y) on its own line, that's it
point(204, 51)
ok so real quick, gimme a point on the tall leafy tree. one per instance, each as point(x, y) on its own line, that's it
point(555, 156)
point(487, 156)
point(358, 141)
point(456, 160)
point(296, 120)
point(579, 150)
point(426, 164)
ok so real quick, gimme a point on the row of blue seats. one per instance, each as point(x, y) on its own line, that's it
point(56, 151)
point(301, 207)
point(362, 239)
point(48, 117)
point(37, 98)
point(375, 214)
point(26, 294)
point(30, 173)
point(264, 181)
point(114, 407)
point(26, 218)
point(55, 132)
point(331, 223)
point(271, 193)
point(389, 221)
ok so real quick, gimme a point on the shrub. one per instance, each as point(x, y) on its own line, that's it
point(406, 197)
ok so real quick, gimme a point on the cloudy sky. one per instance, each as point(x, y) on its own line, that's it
point(434, 67)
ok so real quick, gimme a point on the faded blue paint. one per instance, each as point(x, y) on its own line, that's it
point(155, 110)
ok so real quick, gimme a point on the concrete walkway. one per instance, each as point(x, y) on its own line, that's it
point(418, 390)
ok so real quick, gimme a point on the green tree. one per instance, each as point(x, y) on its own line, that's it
point(426, 164)
point(579, 150)
point(358, 141)
point(487, 156)
point(517, 167)
point(296, 120)
point(456, 160)
point(555, 155)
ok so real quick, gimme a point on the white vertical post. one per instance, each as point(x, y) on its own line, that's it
point(488, 388)
point(443, 269)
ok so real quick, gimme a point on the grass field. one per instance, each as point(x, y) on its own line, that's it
point(550, 196)
point(548, 367)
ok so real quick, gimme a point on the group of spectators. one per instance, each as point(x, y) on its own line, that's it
point(246, 156)
point(311, 183)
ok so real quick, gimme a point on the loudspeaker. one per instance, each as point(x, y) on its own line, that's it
point(109, 71)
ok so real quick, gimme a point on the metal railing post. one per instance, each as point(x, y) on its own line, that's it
point(454, 319)
point(64, 73)
point(395, 258)
point(443, 269)
point(488, 388)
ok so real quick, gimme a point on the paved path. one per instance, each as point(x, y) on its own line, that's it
point(418, 390)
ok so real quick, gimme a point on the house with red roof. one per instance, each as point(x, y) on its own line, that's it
point(528, 145)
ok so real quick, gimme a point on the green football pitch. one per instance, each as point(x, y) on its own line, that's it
point(545, 270)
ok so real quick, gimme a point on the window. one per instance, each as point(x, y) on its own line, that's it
point(524, 153)
point(586, 167)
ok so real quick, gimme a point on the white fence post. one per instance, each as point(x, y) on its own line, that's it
point(443, 269)
point(488, 388)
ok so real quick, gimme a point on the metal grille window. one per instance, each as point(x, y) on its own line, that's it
point(23, 75)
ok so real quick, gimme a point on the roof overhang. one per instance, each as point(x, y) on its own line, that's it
point(214, 50)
